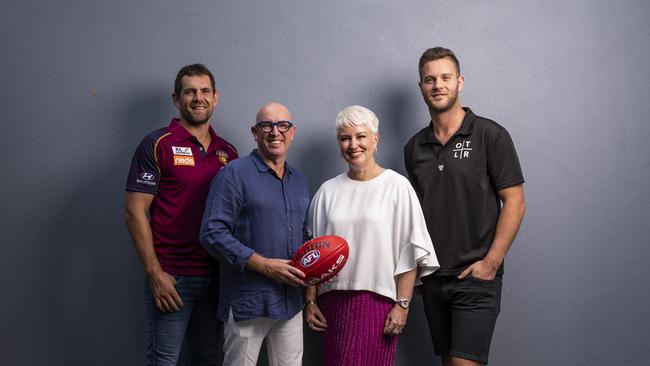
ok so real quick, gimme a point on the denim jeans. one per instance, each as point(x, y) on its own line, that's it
point(196, 322)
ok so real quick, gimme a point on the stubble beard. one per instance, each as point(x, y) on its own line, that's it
point(196, 122)
point(445, 108)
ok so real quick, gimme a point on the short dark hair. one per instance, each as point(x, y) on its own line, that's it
point(191, 70)
point(437, 53)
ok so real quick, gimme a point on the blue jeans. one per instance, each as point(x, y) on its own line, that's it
point(196, 321)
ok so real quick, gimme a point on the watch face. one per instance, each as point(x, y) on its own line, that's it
point(403, 303)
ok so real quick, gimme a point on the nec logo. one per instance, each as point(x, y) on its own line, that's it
point(146, 176)
point(310, 258)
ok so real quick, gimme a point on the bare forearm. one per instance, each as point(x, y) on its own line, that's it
point(508, 224)
point(396, 318)
point(405, 283)
point(310, 293)
point(142, 238)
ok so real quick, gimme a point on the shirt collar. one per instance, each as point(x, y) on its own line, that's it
point(261, 165)
point(182, 134)
point(466, 128)
point(179, 131)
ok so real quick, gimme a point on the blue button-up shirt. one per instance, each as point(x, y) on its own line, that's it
point(250, 209)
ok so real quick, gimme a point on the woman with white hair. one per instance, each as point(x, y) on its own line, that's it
point(364, 309)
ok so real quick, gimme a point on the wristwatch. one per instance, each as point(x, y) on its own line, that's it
point(403, 303)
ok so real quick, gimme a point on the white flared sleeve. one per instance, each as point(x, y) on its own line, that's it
point(416, 248)
point(315, 220)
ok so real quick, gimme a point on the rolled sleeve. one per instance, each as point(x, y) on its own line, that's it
point(221, 210)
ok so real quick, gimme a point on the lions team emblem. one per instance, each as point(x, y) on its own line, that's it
point(223, 157)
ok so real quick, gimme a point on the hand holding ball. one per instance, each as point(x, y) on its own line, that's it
point(321, 258)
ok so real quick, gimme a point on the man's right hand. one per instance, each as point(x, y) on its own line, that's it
point(164, 293)
point(282, 271)
point(276, 269)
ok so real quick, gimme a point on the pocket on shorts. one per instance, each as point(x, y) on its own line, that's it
point(485, 295)
point(480, 280)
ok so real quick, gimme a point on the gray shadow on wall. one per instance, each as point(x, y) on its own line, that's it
point(398, 113)
point(99, 279)
point(321, 159)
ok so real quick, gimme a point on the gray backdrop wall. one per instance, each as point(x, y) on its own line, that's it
point(83, 81)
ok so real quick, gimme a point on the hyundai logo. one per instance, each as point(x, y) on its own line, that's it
point(310, 258)
point(146, 176)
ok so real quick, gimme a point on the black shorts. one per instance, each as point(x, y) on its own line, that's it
point(461, 314)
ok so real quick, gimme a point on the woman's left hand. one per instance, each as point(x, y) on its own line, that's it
point(395, 321)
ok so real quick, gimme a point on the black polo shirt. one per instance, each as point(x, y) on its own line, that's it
point(457, 184)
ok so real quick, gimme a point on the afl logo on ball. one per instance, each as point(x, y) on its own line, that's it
point(310, 258)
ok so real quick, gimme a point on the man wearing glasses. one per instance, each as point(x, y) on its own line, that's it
point(254, 221)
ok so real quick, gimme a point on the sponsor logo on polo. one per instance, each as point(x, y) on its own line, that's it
point(310, 258)
point(183, 160)
point(223, 156)
point(462, 150)
point(182, 151)
point(146, 176)
point(147, 179)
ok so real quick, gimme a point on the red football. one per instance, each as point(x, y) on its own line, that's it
point(321, 258)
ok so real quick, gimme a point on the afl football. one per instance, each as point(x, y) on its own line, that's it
point(321, 258)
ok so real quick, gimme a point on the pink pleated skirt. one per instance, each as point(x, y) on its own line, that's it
point(355, 324)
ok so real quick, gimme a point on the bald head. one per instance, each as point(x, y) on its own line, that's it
point(273, 145)
point(273, 112)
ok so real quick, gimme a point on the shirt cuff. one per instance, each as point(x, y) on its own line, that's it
point(243, 256)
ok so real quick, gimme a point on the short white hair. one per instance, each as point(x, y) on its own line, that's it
point(356, 115)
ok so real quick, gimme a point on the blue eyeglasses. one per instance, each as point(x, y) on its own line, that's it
point(267, 126)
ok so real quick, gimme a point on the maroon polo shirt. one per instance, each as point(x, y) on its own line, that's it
point(170, 164)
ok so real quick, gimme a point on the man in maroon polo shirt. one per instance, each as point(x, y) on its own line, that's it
point(167, 186)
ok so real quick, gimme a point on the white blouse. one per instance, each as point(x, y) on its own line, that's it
point(382, 221)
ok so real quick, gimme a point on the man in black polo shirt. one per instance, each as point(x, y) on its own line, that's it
point(466, 173)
